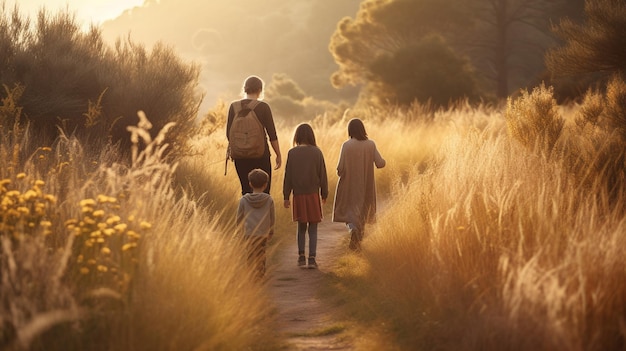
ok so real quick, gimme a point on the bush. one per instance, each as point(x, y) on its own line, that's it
point(73, 82)
point(534, 120)
point(600, 139)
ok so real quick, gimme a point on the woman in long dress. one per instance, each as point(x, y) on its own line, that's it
point(355, 198)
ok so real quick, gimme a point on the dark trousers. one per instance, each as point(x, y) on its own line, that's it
point(301, 234)
point(244, 166)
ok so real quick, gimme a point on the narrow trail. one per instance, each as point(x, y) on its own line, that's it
point(307, 322)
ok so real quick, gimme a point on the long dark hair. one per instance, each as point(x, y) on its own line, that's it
point(304, 135)
point(356, 129)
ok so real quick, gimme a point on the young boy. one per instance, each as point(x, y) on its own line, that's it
point(256, 216)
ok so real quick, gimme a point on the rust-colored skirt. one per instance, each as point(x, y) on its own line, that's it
point(307, 208)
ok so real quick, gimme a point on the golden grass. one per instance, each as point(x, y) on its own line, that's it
point(120, 259)
point(494, 247)
point(482, 243)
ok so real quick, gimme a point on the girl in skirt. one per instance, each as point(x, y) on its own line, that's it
point(305, 176)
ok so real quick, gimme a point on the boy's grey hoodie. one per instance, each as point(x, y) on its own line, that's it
point(256, 212)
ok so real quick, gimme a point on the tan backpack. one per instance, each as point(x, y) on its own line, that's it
point(246, 138)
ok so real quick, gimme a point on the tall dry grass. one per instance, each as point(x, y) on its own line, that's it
point(501, 243)
point(498, 229)
point(100, 255)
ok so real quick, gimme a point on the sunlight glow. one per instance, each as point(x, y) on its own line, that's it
point(87, 11)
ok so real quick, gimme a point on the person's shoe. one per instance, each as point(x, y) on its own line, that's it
point(301, 261)
point(355, 242)
point(312, 263)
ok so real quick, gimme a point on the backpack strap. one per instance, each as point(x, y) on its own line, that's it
point(251, 105)
point(239, 107)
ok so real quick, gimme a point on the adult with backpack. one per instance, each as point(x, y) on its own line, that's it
point(250, 124)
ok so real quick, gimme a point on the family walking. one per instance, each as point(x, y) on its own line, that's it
point(249, 126)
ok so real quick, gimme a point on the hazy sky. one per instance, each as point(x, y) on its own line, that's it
point(87, 11)
point(228, 39)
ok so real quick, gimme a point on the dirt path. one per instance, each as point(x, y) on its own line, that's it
point(306, 321)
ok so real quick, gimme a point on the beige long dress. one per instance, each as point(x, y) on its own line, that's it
point(355, 198)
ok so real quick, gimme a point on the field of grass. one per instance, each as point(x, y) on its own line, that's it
point(499, 228)
point(502, 243)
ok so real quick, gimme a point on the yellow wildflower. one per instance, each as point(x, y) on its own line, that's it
point(23, 210)
point(6, 201)
point(128, 246)
point(45, 224)
point(46, 148)
point(87, 202)
point(71, 221)
point(50, 198)
point(98, 213)
point(109, 231)
point(80, 258)
point(29, 195)
point(20, 176)
point(13, 193)
point(102, 268)
point(121, 227)
point(105, 199)
point(105, 250)
point(89, 221)
point(145, 225)
point(39, 182)
point(113, 220)
point(91, 261)
point(132, 234)
point(84, 270)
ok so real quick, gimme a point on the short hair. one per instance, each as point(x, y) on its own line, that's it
point(258, 177)
point(304, 135)
point(253, 85)
point(356, 129)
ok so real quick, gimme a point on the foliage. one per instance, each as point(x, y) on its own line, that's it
point(429, 70)
point(504, 41)
point(534, 119)
point(101, 255)
point(593, 46)
point(600, 140)
point(508, 40)
point(491, 247)
point(383, 28)
point(65, 72)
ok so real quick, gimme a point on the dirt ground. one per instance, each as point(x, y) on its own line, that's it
point(307, 322)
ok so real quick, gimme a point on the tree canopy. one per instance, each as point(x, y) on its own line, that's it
point(387, 33)
point(597, 45)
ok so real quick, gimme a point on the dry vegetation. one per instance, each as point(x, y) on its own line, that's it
point(100, 255)
point(499, 229)
point(512, 238)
